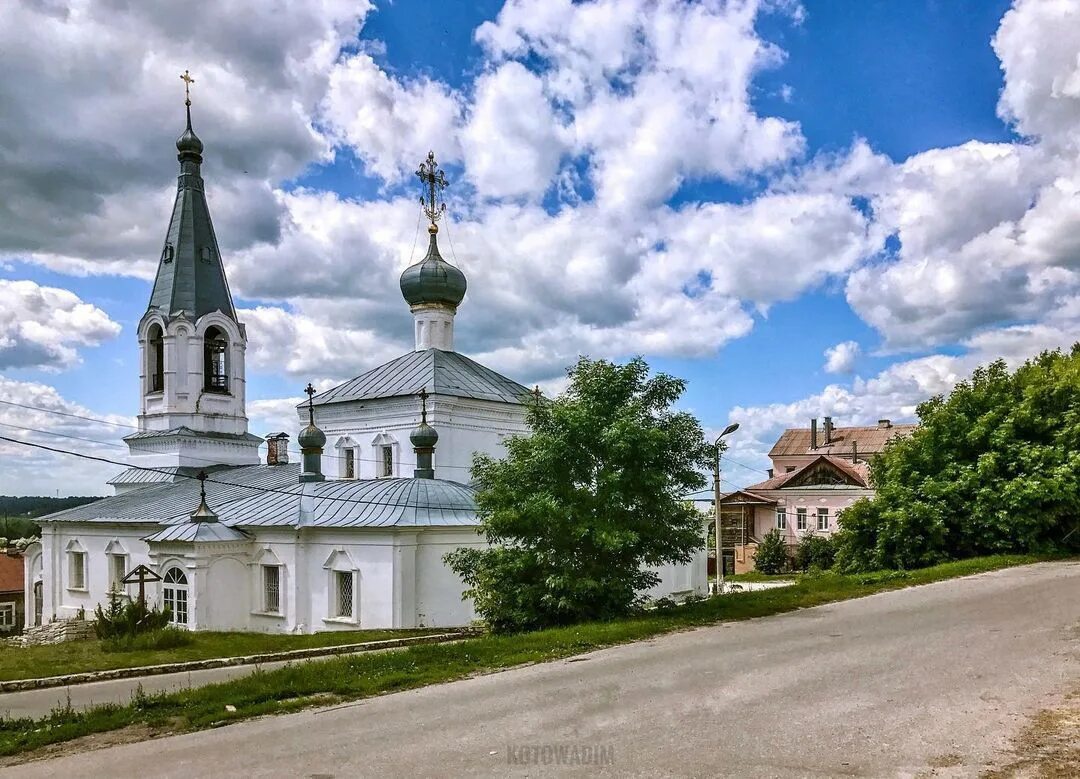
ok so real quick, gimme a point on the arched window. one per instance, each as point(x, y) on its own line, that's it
point(156, 359)
point(174, 596)
point(215, 364)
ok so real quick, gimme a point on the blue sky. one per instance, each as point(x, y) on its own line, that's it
point(879, 103)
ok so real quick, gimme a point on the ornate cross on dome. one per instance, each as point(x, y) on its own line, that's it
point(423, 405)
point(434, 181)
point(310, 390)
point(188, 81)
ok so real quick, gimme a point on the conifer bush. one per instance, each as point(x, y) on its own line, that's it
point(771, 556)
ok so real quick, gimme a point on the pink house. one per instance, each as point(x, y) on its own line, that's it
point(817, 472)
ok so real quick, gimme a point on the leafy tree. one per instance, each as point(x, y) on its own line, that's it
point(771, 555)
point(578, 510)
point(992, 468)
point(814, 551)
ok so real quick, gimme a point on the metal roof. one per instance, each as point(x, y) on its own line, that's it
point(868, 440)
point(271, 496)
point(437, 371)
point(859, 473)
point(188, 432)
point(156, 476)
point(190, 276)
point(197, 533)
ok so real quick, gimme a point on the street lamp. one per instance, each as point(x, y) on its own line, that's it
point(718, 445)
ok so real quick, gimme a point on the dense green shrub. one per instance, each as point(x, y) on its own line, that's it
point(165, 638)
point(122, 619)
point(992, 468)
point(580, 511)
point(772, 555)
point(814, 551)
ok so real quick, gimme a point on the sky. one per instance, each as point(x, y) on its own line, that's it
point(802, 209)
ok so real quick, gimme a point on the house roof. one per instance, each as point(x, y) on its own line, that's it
point(745, 497)
point(868, 440)
point(857, 472)
point(187, 432)
point(11, 573)
point(272, 496)
point(437, 371)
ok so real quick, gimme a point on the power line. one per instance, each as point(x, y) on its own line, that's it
point(291, 494)
point(134, 427)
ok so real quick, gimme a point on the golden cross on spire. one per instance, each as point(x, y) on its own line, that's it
point(434, 181)
point(188, 81)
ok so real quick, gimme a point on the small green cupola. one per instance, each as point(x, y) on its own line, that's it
point(311, 440)
point(433, 287)
point(423, 438)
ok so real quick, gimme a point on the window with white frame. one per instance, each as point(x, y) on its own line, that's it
point(76, 570)
point(822, 519)
point(350, 464)
point(174, 591)
point(344, 594)
point(7, 615)
point(271, 588)
point(800, 519)
point(781, 519)
point(386, 460)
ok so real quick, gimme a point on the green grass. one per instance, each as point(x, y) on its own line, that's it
point(346, 678)
point(757, 576)
point(78, 656)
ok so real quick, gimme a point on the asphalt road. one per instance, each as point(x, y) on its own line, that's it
point(890, 685)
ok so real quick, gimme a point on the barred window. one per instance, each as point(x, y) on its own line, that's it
point(117, 572)
point(350, 464)
point(344, 593)
point(271, 588)
point(387, 464)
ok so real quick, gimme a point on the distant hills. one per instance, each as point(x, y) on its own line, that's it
point(17, 513)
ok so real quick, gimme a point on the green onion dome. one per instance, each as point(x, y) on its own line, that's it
point(433, 279)
point(311, 437)
point(424, 436)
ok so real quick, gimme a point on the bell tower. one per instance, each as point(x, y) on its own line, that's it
point(191, 345)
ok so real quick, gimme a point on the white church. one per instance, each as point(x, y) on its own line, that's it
point(351, 537)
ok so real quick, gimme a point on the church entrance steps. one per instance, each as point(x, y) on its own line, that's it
point(67, 680)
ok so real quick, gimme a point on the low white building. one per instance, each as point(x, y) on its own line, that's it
point(277, 546)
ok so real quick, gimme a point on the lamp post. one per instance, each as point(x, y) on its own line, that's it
point(718, 445)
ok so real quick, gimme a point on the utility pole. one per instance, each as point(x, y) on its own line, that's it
point(719, 446)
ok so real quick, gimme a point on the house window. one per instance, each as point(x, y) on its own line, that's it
point(215, 370)
point(343, 600)
point(822, 519)
point(781, 519)
point(272, 588)
point(789, 469)
point(386, 461)
point(800, 519)
point(7, 615)
point(350, 463)
point(117, 572)
point(77, 570)
point(175, 596)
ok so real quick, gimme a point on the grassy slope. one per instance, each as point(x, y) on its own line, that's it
point(77, 656)
point(344, 678)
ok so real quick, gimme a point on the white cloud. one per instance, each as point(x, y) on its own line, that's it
point(391, 123)
point(42, 327)
point(841, 358)
point(29, 471)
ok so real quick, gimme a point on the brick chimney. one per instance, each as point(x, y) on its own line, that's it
point(828, 431)
point(277, 449)
point(813, 433)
